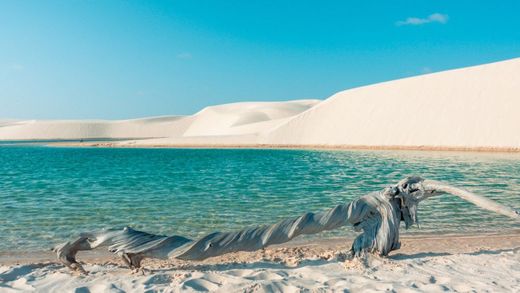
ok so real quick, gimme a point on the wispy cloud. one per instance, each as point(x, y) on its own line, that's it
point(435, 17)
point(184, 55)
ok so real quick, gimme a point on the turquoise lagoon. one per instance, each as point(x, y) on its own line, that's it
point(49, 194)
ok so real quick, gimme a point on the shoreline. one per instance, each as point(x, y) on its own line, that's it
point(111, 144)
point(137, 143)
point(423, 264)
point(10, 257)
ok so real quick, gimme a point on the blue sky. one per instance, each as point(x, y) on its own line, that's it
point(124, 59)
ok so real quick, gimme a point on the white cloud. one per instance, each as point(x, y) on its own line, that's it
point(184, 55)
point(435, 17)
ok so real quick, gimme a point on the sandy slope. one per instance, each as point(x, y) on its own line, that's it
point(469, 107)
point(488, 263)
point(244, 118)
point(233, 122)
point(88, 129)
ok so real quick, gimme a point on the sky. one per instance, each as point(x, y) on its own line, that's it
point(112, 59)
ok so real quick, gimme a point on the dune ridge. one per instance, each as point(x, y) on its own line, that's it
point(221, 122)
point(472, 108)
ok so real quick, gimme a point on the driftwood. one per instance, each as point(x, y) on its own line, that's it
point(377, 215)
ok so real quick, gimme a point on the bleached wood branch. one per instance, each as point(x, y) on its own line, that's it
point(377, 215)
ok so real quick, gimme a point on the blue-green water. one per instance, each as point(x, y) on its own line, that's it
point(48, 194)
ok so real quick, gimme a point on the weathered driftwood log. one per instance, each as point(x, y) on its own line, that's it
point(377, 215)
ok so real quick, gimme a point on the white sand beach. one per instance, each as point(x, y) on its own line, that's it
point(255, 146)
point(483, 263)
point(471, 108)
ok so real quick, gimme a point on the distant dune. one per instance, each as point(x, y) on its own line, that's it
point(240, 120)
point(89, 129)
point(470, 108)
point(245, 118)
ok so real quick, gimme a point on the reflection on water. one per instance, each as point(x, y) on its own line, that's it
point(48, 194)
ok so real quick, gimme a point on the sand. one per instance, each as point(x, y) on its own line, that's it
point(235, 122)
point(485, 263)
point(473, 108)
point(92, 129)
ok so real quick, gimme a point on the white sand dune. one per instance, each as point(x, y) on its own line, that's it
point(473, 107)
point(230, 122)
point(455, 264)
point(89, 129)
point(470, 108)
point(244, 118)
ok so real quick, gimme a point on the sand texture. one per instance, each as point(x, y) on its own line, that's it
point(488, 263)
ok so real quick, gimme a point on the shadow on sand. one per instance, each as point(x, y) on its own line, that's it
point(400, 256)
